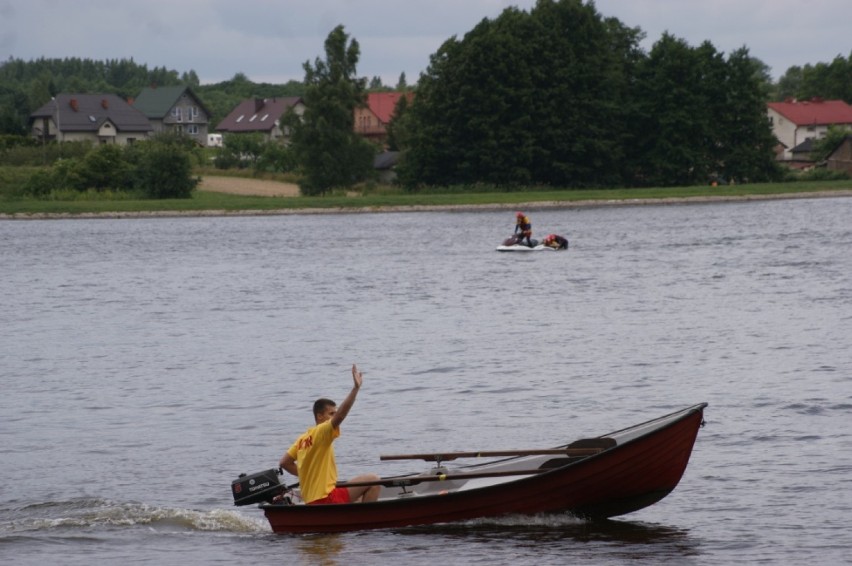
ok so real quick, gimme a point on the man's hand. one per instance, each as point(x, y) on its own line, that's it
point(344, 407)
point(357, 377)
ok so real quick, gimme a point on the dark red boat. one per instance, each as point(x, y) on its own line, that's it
point(600, 477)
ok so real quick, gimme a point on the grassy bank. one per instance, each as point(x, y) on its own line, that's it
point(208, 201)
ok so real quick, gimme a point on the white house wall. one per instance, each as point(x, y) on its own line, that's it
point(792, 135)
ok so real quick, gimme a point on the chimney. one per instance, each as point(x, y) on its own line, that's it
point(105, 103)
point(258, 104)
point(73, 104)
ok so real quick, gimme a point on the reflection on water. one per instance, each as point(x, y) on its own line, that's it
point(321, 549)
point(621, 538)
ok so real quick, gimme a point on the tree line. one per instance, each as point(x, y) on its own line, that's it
point(562, 96)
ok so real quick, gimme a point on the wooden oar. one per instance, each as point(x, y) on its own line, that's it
point(448, 456)
point(414, 480)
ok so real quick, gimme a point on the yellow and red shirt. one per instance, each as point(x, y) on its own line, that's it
point(314, 456)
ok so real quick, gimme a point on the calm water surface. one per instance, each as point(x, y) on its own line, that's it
point(145, 363)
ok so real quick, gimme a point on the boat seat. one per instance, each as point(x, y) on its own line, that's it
point(602, 442)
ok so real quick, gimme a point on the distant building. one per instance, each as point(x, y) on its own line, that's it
point(385, 165)
point(263, 116)
point(175, 109)
point(840, 159)
point(372, 121)
point(98, 118)
point(796, 121)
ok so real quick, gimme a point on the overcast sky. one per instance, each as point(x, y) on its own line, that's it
point(269, 40)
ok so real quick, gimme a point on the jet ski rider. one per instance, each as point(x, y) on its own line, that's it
point(555, 241)
point(524, 226)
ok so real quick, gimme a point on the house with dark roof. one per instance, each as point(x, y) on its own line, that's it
point(795, 121)
point(263, 116)
point(99, 118)
point(371, 121)
point(175, 109)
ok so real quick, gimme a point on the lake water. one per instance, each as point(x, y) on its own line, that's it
point(145, 363)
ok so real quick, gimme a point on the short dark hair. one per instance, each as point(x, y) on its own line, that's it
point(321, 404)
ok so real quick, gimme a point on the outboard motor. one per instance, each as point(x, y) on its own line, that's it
point(257, 488)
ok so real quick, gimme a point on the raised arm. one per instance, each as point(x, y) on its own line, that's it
point(343, 409)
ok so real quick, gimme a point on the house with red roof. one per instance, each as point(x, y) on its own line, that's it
point(263, 116)
point(371, 121)
point(798, 122)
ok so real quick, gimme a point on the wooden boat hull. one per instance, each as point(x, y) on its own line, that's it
point(643, 467)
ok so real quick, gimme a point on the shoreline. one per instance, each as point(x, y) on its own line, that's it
point(535, 205)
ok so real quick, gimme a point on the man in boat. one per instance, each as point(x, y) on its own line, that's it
point(524, 226)
point(311, 457)
point(555, 241)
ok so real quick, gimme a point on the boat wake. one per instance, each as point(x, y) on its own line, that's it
point(100, 513)
point(548, 521)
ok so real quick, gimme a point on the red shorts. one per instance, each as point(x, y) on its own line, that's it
point(337, 495)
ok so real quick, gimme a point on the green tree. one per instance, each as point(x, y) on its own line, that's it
point(240, 151)
point(163, 166)
point(822, 80)
point(828, 80)
point(104, 167)
point(527, 98)
point(13, 111)
point(327, 148)
point(674, 125)
point(398, 128)
point(743, 136)
point(190, 79)
point(789, 84)
point(402, 83)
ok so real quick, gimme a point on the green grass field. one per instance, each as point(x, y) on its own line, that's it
point(11, 203)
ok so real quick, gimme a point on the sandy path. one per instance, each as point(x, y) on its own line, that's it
point(241, 186)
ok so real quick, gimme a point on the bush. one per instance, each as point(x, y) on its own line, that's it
point(164, 170)
point(105, 167)
point(276, 158)
point(8, 141)
point(41, 154)
point(823, 174)
point(158, 168)
point(63, 176)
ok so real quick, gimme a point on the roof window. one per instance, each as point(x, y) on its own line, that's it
point(240, 119)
